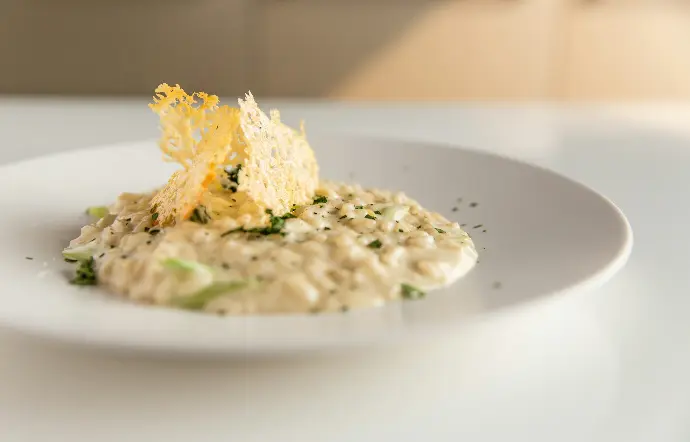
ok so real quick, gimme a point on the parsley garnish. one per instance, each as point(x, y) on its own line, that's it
point(375, 244)
point(200, 215)
point(359, 207)
point(369, 216)
point(378, 212)
point(439, 230)
point(154, 216)
point(411, 292)
point(320, 199)
point(85, 274)
point(288, 216)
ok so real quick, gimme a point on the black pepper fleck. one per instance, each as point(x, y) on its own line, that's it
point(29, 258)
point(254, 258)
point(454, 209)
point(484, 231)
point(474, 204)
point(497, 285)
point(477, 226)
point(225, 265)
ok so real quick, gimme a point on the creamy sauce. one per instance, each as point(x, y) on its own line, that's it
point(352, 248)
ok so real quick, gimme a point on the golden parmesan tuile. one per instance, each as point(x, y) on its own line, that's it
point(279, 168)
point(182, 124)
point(182, 118)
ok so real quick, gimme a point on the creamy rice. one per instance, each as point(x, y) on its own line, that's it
point(352, 248)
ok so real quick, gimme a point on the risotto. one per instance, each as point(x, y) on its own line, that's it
point(346, 247)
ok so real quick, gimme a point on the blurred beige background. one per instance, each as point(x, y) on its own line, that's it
point(574, 50)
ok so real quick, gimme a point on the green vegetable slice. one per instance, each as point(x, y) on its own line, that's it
point(185, 265)
point(198, 300)
point(395, 213)
point(98, 211)
point(80, 253)
point(411, 292)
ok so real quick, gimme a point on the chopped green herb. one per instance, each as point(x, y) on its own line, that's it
point(200, 215)
point(411, 292)
point(439, 230)
point(71, 261)
point(326, 228)
point(320, 199)
point(97, 211)
point(400, 230)
point(288, 216)
point(198, 300)
point(378, 212)
point(369, 216)
point(85, 273)
point(154, 216)
point(233, 178)
point(375, 244)
point(359, 207)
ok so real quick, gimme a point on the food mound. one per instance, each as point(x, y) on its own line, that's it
point(246, 227)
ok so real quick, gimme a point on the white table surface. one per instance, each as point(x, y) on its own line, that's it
point(606, 365)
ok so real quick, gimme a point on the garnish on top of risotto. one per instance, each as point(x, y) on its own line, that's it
point(246, 227)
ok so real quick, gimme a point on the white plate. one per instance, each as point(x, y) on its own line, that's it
point(541, 234)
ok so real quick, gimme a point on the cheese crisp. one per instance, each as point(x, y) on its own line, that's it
point(276, 168)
